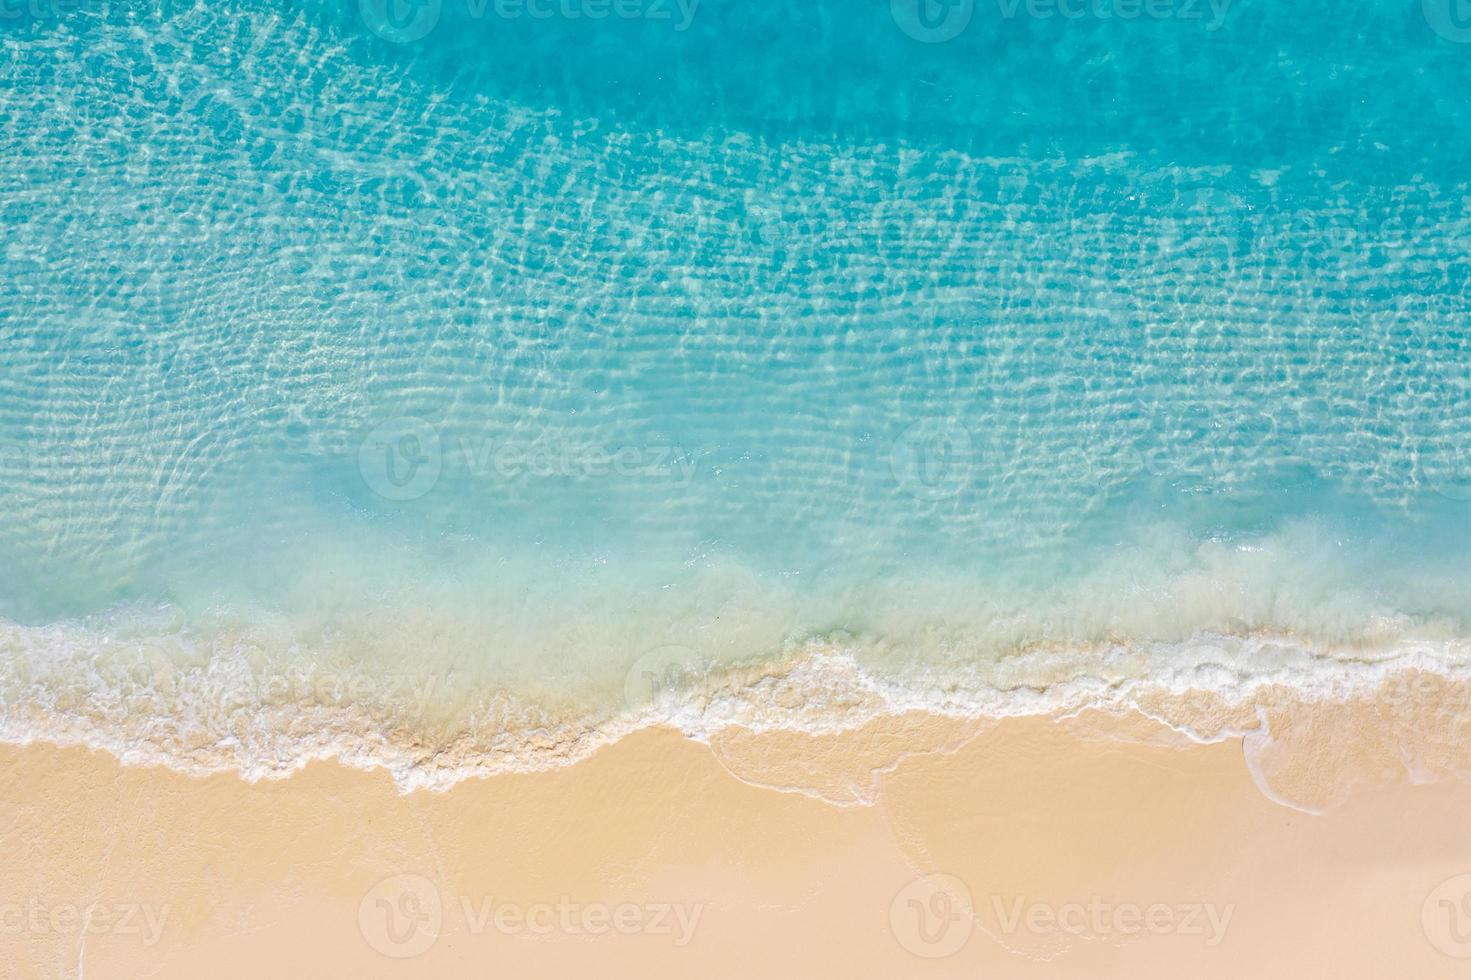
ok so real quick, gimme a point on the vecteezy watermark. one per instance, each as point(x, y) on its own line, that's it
point(403, 459)
point(401, 21)
point(933, 21)
point(1126, 10)
point(932, 458)
point(666, 670)
point(1445, 917)
point(402, 695)
point(34, 917)
point(1097, 918)
point(403, 916)
point(1188, 448)
point(406, 21)
point(1446, 705)
point(1451, 19)
point(932, 916)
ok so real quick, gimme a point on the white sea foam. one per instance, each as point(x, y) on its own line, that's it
point(224, 711)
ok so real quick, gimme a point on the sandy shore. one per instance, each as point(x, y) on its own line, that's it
point(1028, 848)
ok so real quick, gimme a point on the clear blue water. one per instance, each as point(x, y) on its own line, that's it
point(497, 358)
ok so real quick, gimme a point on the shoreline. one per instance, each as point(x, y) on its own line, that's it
point(1204, 691)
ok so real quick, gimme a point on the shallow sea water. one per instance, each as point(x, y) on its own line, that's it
point(426, 376)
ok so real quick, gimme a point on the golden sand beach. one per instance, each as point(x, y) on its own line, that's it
point(1086, 847)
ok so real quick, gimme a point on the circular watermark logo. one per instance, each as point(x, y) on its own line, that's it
point(401, 21)
point(1446, 917)
point(662, 670)
point(1451, 19)
point(932, 21)
point(401, 459)
point(1205, 217)
point(932, 916)
point(401, 916)
point(932, 459)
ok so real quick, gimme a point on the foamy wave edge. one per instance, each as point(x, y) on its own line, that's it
point(217, 718)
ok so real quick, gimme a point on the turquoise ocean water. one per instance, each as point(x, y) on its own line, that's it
point(452, 384)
